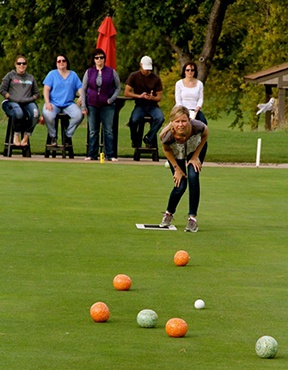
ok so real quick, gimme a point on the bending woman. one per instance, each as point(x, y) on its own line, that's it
point(182, 140)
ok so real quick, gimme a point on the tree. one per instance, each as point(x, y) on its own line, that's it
point(214, 29)
point(39, 29)
point(252, 39)
point(171, 32)
point(172, 22)
point(228, 39)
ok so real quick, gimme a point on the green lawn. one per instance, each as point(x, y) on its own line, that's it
point(225, 144)
point(67, 230)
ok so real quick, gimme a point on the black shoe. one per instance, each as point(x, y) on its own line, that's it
point(68, 141)
point(148, 143)
point(53, 141)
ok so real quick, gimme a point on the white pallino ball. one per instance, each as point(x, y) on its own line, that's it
point(166, 164)
point(199, 304)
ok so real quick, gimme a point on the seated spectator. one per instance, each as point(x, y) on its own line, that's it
point(60, 88)
point(20, 91)
point(146, 88)
point(189, 92)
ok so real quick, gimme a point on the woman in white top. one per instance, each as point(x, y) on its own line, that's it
point(189, 93)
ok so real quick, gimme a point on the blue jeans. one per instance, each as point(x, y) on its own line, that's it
point(96, 115)
point(137, 116)
point(20, 110)
point(73, 111)
point(194, 189)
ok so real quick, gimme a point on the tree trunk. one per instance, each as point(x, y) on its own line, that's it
point(182, 56)
point(214, 29)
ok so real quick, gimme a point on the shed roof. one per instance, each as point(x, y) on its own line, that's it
point(271, 76)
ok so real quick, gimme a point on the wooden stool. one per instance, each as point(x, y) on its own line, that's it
point(9, 145)
point(66, 143)
point(144, 150)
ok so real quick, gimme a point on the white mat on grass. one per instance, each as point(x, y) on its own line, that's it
point(155, 227)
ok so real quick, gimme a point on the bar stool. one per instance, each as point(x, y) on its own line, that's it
point(9, 145)
point(144, 150)
point(66, 143)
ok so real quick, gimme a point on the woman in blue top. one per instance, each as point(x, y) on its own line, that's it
point(60, 88)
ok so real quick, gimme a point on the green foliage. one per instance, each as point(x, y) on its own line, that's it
point(156, 28)
point(169, 78)
point(63, 28)
point(253, 38)
point(246, 45)
point(137, 37)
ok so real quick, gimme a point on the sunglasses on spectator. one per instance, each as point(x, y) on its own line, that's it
point(189, 70)
point(61, 61)
point(21, 63)
point(101, 57)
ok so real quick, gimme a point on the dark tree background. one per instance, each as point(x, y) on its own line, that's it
point(227, 38)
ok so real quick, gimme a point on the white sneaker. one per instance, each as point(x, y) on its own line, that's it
point(88, 159)
point(166, 220)
point(192, 225)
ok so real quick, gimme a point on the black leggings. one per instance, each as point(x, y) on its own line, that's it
point(194, 189)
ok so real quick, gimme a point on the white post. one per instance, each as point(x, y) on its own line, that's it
point(258, 152)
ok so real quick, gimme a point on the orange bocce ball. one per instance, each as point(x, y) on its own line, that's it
point(181, 258)
point(99, 312)
point(122, 282)
point(176, 328)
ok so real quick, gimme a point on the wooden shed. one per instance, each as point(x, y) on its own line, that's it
point(276, 76)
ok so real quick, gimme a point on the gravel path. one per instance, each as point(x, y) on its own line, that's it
point(144, 161)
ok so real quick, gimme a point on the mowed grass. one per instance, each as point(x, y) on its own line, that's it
point(68, 229)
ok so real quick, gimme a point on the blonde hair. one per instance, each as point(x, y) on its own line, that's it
point(176, 112)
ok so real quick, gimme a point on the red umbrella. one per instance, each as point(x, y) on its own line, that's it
point(107, 41)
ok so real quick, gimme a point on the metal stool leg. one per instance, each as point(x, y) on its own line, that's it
point(66, 143)
point(8, 139)
point(145, 150)
point(9, 142)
